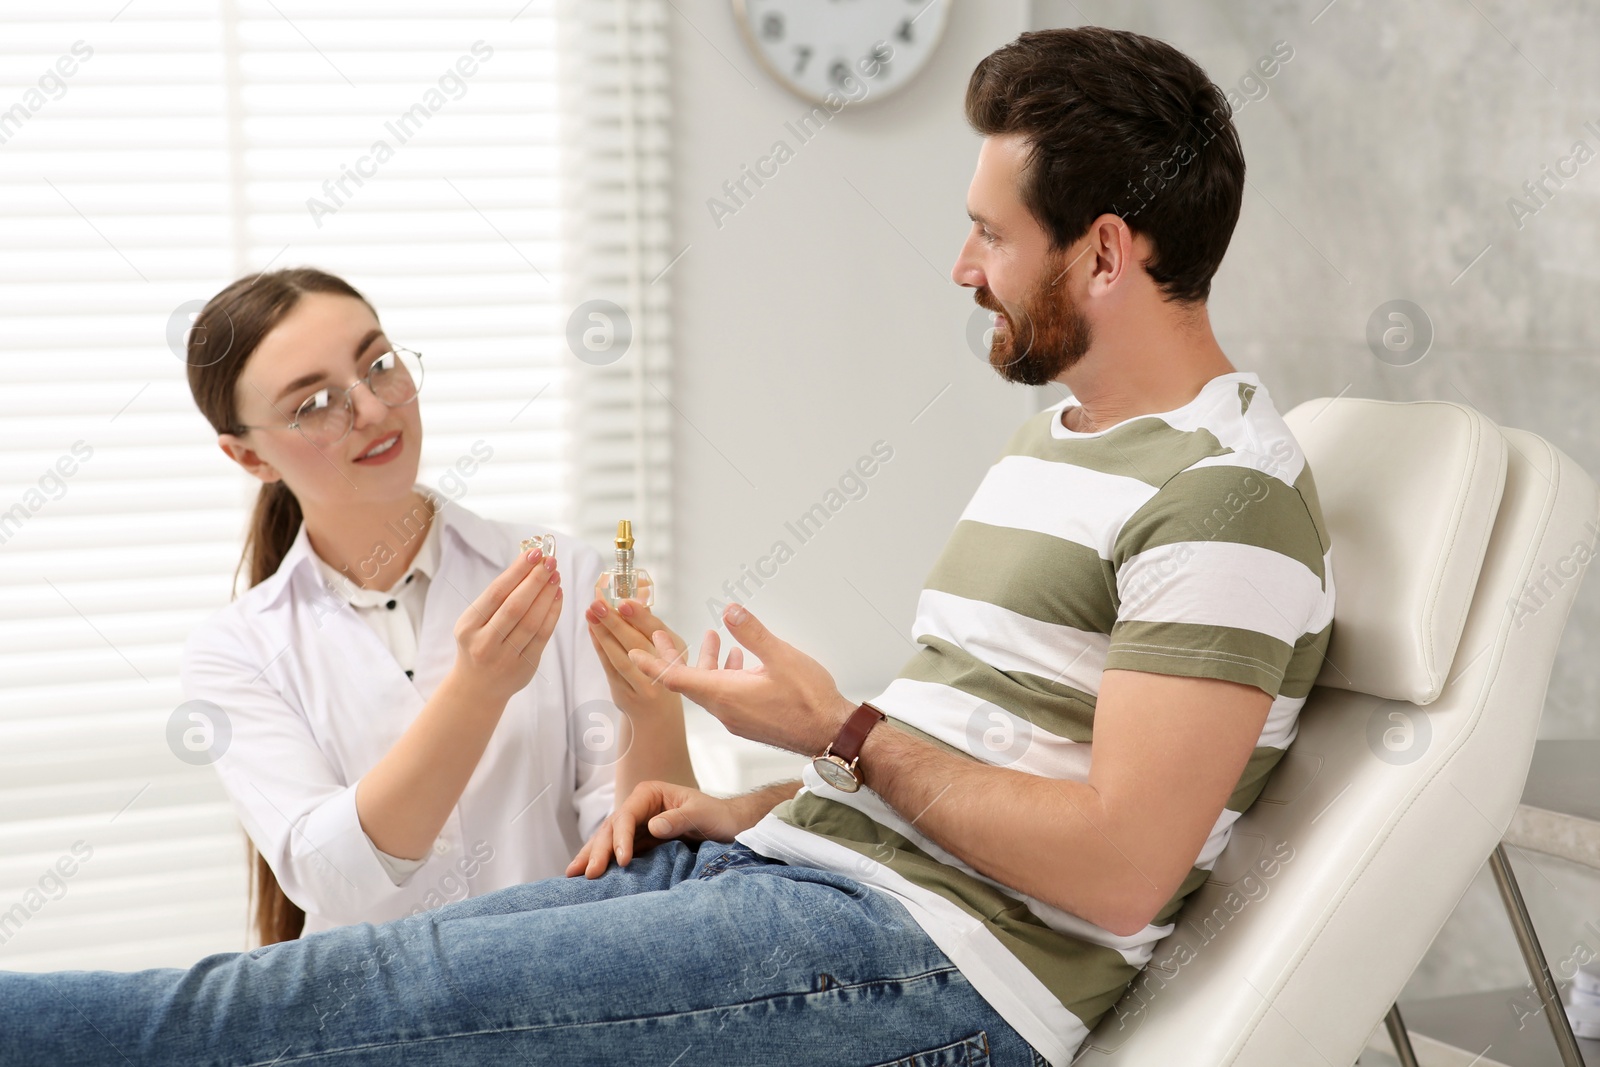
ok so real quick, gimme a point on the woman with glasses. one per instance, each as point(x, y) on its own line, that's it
point(399, 708)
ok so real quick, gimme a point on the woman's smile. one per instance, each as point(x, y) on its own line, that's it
point(383, 451)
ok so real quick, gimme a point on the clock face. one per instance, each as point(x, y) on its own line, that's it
point(835, 775)
point(841, 52)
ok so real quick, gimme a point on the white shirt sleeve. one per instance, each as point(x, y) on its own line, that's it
point(399, 870)
point(595, 782)
point(291, 801)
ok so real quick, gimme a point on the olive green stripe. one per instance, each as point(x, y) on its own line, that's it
point(1306, 486)
point(1149, 450)
point(1194, 650)
point(1051, 706)
point(1192, 881)
point(1239, 505)
point(1253, 778)
point(1306, 662)
point(1034, 574)
point(1086, 978)
point(901, 724)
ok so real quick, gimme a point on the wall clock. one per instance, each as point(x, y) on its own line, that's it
point(842, 52)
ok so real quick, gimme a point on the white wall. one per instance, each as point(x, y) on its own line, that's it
point(816, 320)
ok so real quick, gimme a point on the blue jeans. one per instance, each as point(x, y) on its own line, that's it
point(692, 954)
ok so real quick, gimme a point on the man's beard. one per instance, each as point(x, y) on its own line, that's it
point(1050, 337)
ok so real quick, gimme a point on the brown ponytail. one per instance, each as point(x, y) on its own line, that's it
point(225, 333)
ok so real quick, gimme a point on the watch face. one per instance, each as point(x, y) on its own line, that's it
point(842, 53)
point(833, 771)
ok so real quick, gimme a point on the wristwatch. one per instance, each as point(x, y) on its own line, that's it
point(837, 764)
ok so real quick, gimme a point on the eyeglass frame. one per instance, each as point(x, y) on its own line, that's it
point(349, 401)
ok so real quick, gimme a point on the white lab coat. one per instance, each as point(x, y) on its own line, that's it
point(313, 699)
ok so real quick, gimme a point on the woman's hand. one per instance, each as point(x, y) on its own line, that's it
point(660, 811)
point(503, 633)
point(615, 630)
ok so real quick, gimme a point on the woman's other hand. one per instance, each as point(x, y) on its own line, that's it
point(615, 630)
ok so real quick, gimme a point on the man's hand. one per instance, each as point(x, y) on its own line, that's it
point(788, 700)
point(666, 811)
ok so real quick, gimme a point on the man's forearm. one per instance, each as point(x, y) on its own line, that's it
point(1046, 837)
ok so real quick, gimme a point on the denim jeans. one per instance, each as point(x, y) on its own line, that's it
point(692, 954)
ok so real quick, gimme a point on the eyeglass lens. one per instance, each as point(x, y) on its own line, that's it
point(327, 415)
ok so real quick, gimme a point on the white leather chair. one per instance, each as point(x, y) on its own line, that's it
point(1457, 551)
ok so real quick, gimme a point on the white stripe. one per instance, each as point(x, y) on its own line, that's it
point(1324, 612)
point(1220, 583)
point(1216, 840)
point(1009, 641)
point(1281, 719)
point(986, 731)
point(999, 977)
point(1086, 507)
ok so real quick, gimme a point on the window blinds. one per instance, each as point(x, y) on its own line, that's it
point(617, 206)
point(478, 170)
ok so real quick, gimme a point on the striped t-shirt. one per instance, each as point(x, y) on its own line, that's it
point(1188, 542)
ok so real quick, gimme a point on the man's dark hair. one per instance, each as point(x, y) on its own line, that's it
point(1122, 123)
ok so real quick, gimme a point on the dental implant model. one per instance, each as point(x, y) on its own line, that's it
point(545, 543)
point(625, 581)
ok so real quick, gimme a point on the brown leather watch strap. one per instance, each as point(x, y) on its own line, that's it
point(847, 746)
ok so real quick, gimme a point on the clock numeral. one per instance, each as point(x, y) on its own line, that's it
point(853, 72)
point(877, 61)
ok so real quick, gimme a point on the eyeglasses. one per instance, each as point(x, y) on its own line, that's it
point(325, 417)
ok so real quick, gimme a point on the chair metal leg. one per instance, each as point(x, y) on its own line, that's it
point(1533, 957)
point(1399, 1038)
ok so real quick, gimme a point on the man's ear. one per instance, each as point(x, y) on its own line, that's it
point(235, 449)
point(1111, 244)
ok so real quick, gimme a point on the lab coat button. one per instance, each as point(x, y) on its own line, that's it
point(441, 847)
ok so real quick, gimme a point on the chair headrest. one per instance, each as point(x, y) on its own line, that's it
point(1409, 493)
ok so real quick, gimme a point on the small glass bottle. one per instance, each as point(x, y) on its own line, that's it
point(625, 581)
point(545, 543)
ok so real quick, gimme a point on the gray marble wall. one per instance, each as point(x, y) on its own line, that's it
point(1381, 159)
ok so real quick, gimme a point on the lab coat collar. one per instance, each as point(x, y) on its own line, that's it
point(426, 564)
point(460, 526)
